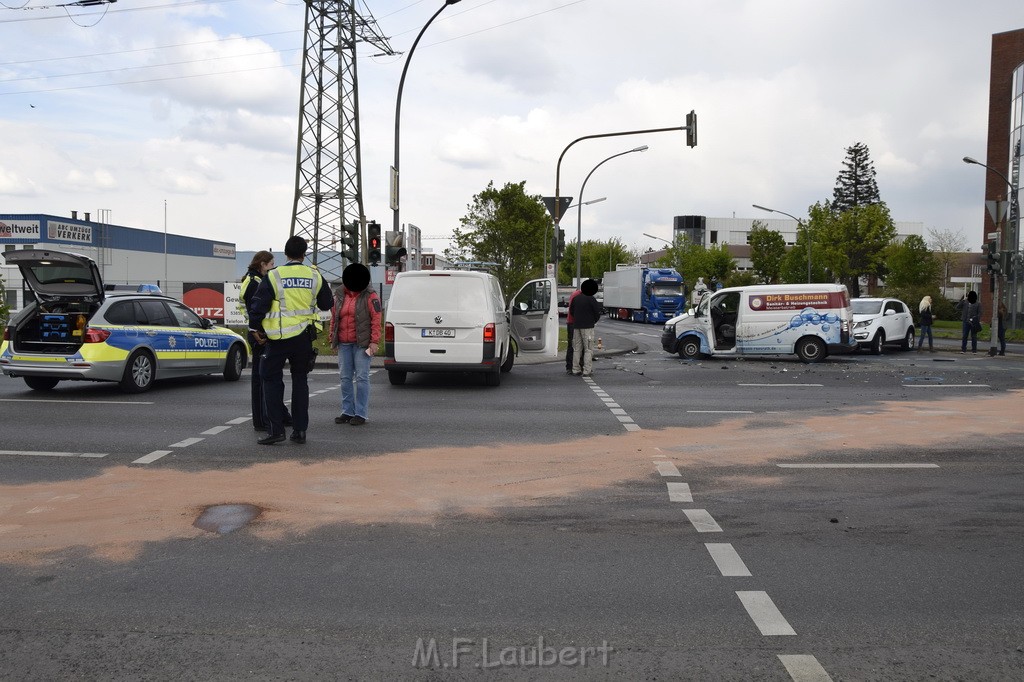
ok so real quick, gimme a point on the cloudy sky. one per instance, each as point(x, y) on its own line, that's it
point(195, 104)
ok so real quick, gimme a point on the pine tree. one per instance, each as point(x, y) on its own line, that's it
point(856, 185)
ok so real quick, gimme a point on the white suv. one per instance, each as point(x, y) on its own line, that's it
point(456, 321)
point(881, 321)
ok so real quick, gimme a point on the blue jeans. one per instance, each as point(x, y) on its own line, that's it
point(925, 329)
point(354, 366)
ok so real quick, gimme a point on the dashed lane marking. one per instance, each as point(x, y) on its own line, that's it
point(43, 453)
point(151, 457)
point(679, 492)
point(702, 521)
point(804, 668)
point(238, 420)
point(215, 430)
point(619, 413)
point(728, 560)
point(766, 616)
point(667, 468)
point(185, 443)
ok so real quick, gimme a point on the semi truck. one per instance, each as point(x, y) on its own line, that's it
point(653, 295)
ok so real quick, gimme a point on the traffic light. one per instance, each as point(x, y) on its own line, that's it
point(691, 129)
point(992, 257)
point(561, 243)
point(394, 247)
point(350, 242)
point(373, 243)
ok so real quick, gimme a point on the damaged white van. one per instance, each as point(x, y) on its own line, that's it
point(807, 320)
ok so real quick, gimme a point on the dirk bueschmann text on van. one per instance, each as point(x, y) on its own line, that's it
point(466, 652)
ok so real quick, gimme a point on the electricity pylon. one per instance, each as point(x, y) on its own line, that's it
point(328, 177)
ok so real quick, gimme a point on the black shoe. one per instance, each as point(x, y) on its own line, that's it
point(357, 421)
point(271, 439)
point(297, 437)
point(343, 419)
point(1001, 353)
point(568, 370)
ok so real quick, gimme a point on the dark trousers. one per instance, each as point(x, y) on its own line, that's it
point(297, 352)
point(260, 420)
point(968, 330)
point(1001, 335)
point(568, 349)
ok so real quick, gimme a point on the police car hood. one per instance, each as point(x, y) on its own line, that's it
point(57, 274)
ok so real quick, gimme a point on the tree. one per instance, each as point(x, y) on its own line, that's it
point(693, 260)
point(4, 308)
point(767, 249)
point(506, 227)
point(853, 243)
point(856, 185)
point(597, 259)
point(911, 264)
point(947, 246)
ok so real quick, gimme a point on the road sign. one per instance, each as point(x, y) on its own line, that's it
point(563, 203)
point(997, 210)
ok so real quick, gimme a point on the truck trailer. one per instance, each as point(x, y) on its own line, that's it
point(653, 295)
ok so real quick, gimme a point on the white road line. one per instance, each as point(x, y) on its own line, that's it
point(786, 385)
point(631, 427)
point(729, 563)
point(667, 469)
point(679, 492)
point(765, 614)
point(215, 430)
point(860, 465)
point(185, 443)
point(617, 410)
point(720, 411)
point(702, 521)
point(946, 386)
point(43, 453)
point(239, 420)
point(627, 422)
point(804, 668)
point(152, 457)
point(77, 402)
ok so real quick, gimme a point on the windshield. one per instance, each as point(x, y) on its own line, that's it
point(866, 307)
point(667, 290)
point(65, 274)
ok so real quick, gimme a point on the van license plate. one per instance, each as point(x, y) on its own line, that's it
point(442, 333)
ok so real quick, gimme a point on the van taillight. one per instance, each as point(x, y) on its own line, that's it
point(389, 332)
point(93, 335)
point(489, 334)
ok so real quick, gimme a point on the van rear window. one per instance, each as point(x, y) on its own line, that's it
point(440, 293)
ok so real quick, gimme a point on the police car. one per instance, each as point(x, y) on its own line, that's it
point(76, 330)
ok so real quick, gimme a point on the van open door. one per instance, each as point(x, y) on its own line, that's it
point(534, 317)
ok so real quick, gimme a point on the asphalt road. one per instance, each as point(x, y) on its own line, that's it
point(859, 519)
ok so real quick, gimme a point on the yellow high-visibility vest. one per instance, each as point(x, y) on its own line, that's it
point(241, 297)
point(294, 307)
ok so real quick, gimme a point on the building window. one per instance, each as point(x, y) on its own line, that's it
point(714, 236)
point(10, 247)
point(12, 298)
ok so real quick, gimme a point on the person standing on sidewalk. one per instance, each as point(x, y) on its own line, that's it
point(970, 319)
point(355, 334)
point(262, 263)
point(925, 309)
point(1001, 329)
point(586, 311)
point(568, 332)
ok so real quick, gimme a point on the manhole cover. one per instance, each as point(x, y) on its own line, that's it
point(225, 518)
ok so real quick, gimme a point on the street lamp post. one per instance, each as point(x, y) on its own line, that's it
point(396, 224)
point(1011, 195)
point(579, 213)
point(660, 238)
point(799, 224)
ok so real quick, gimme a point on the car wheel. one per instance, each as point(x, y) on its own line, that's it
point(878, 342)
point(811, 349)
point(41, 383)
point(493, 378)
point(510, 360)
point(396, 378)
point(235, 364)
point(689, 348)
point(908, 339)
point(139, 372)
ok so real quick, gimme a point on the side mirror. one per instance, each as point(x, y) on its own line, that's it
point(207, 323)
point(888, 312)
point(523, 307)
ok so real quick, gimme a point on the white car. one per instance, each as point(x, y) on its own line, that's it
point(456, 321)
point(881, 321)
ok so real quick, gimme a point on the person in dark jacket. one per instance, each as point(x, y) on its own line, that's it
point(262, 263)
point(970, 314)
point(568, 332)
point(925, 311)
point(585, 311)
point(1001, 328)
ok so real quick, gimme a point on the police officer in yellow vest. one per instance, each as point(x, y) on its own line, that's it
point(284, 313)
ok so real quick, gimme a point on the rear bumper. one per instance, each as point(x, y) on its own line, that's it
point(71, 370)
point(463, 367)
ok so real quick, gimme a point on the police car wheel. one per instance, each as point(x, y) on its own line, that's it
point(235, 363)
point(139, 373)
point(40, 383)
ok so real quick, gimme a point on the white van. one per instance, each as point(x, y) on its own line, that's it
point(806, 319)
point(457, 321)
